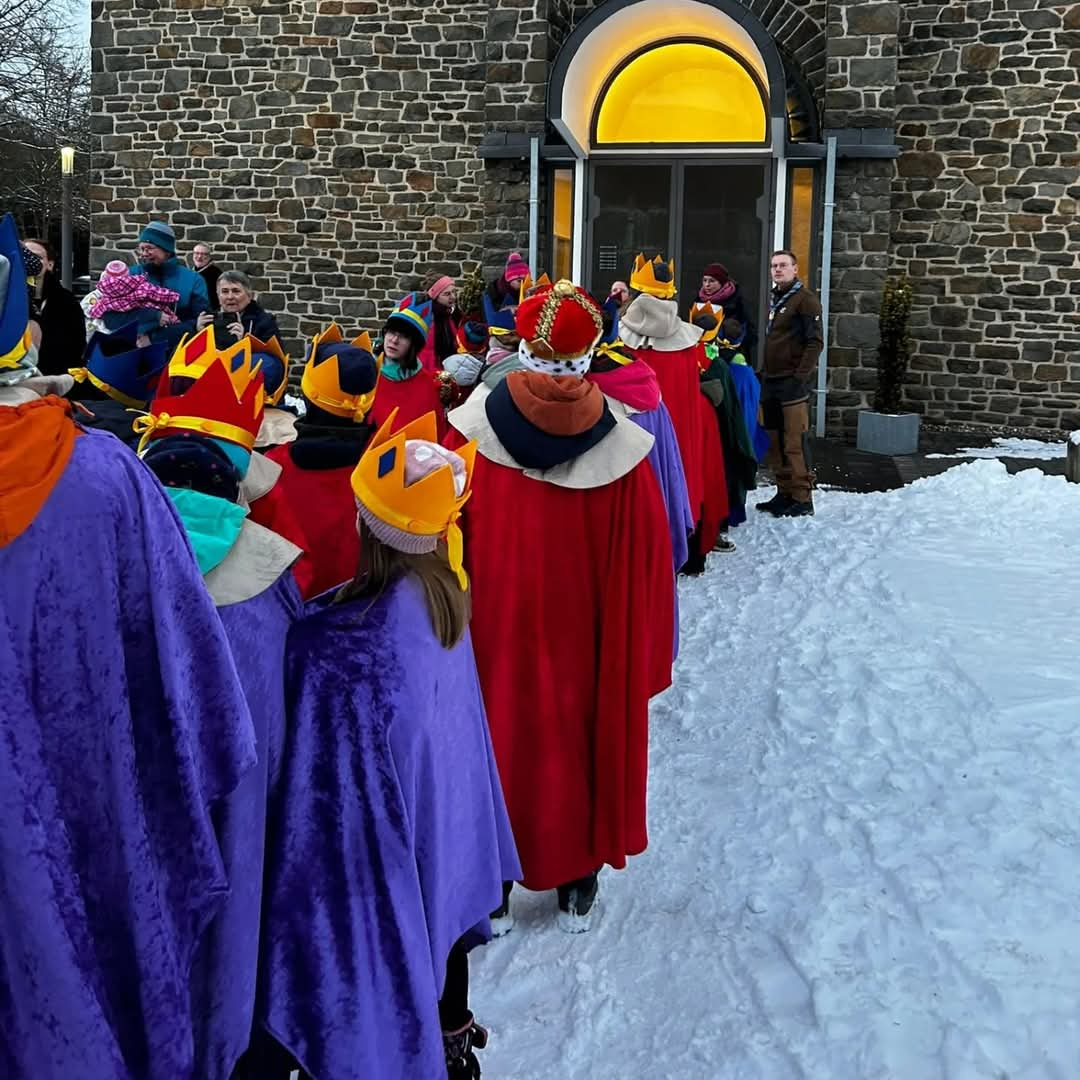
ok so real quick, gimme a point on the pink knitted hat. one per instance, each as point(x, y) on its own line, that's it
point(516, 267)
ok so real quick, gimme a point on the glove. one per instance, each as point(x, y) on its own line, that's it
point(463, 368)
point(713, 389)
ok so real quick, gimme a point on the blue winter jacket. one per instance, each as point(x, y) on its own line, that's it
point(172, 274)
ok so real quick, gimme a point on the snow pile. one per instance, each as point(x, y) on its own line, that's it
point(865, 814)
point(1033, 449)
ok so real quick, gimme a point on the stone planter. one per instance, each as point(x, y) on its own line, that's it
point(888, 433)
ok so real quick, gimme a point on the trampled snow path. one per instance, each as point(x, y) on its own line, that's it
point(864, 856)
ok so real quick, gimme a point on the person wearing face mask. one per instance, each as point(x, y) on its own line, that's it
point(404, 383)
point(158, 262)
point(63, 328)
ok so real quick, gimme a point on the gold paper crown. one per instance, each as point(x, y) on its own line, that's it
point(716, 313)
point(429, 507)
point(273, 347)
point(644, 278)
point(321, 382)
point(528, 286)
point(194, 355)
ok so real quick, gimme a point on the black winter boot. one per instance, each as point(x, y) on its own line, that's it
point(776, 505)
point(576, 900)
point(461, 1063)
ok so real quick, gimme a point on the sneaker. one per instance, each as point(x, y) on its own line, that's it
point(724, 544)
point(777, 503)
point(461, 1063)
point(795, 508)
point(577, 904)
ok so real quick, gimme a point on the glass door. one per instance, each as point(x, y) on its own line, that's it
point(631, 212)
point(724, 217)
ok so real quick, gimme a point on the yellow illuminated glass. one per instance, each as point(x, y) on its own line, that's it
point(682, 93)
point(801, 211)
point(562, 229)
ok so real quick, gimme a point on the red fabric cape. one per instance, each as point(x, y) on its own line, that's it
point(412, 398)
point(315, 509)
point(696, 429)
point(572, 598)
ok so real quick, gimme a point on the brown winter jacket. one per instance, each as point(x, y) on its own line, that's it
point(794, 342)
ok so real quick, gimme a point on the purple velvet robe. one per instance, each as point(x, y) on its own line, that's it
point(224, 976)
point(668, 467)
point(121, 720)
point(393, 842)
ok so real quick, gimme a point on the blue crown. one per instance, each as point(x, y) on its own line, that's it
point(128, 375)
point(14, 300)
point(498, 320)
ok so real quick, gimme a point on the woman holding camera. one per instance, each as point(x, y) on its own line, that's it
point(240, 314)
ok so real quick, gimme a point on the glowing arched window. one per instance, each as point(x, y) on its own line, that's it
point(682, 92)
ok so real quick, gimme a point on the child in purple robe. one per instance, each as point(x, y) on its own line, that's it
point(393, 838)
point(122, 726)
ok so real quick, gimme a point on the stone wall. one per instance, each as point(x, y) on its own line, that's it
point(323, 145)
point(986, 209)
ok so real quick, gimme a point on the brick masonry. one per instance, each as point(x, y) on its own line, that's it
point(328, 146)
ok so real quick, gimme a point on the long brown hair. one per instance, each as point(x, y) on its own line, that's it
point(449, 608)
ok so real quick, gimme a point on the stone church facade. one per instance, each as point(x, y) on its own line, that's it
point(338, 148)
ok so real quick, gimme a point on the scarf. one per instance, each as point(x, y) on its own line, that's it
point(543, 421)
point(777, 302)
point(328, 446)
point(393, 371)
point(719, 294)
point(212, 524)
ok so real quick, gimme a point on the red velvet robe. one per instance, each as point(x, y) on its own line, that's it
point(572, 610)
point(412, 398)
point(695, 427)
point(321, 503)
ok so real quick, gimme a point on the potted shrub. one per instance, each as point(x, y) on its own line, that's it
point(886, 429)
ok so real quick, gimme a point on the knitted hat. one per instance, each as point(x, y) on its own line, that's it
point(413, 313)
point(440, 284)
point(718, 271)
point(160, 234)
point(516, 268)
point(188, 460)
point(558, 329)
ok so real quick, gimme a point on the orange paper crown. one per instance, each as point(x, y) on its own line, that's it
point(321, 381)
point(195, 354)
point(216, 405)
point(272, 348)
point(429, 507)
point(715, 313)
point(656, 278)
point(528, 286)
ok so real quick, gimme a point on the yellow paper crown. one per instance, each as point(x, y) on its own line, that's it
point(195, 354)
point(321, 383)
point(273, 348)
point(429, 507)
point(707, 309)
point(528, 286)
point(644, 279)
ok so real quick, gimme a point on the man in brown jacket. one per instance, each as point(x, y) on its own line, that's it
point(793, 343)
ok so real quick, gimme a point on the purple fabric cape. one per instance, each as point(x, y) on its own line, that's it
point(668, 467)
point(224, 976)
point(392, 839)
point(121, 720)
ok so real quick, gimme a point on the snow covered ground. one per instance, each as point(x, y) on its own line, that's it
point(864, 857)
point(1034, 449)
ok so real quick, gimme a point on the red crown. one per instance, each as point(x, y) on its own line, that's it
point(560, 323)
point(209, 406)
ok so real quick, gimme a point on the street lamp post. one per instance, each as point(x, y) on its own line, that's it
point(67, 171)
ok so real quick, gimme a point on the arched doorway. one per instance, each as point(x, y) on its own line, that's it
point(681, 118)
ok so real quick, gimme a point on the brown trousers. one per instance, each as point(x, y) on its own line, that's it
point(787, 425)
